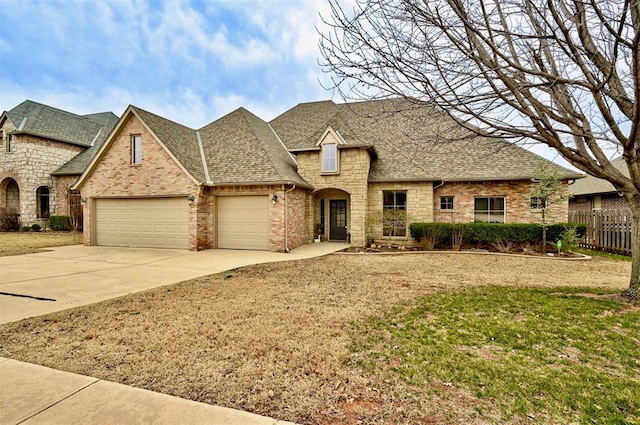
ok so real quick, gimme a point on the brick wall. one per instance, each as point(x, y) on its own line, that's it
point(419, 207)
point(584, 203)
point(352, 180)
point(63, 187)
point(157, 175)
point(295, 202)
point(517, 196)
point(30, 163)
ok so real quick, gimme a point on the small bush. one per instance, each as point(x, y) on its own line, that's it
point(9, 220)
point(60, 222)
point(26, 228)
point(455, 234)
point(36, 227)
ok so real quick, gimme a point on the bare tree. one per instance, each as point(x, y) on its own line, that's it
point(565, 73)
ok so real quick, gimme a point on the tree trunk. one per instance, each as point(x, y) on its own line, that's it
point(633, 292)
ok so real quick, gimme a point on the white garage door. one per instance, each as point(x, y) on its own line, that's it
point(151, 222)
point(243, 222)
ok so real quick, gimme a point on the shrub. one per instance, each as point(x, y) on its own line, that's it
point(36, 227)
point(26, 228)
point(428, 234)
point(9, 220)
point(455, 234)
point(59, 222)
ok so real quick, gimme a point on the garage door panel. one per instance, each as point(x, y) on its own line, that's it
point(243, 222)
point(153, 222)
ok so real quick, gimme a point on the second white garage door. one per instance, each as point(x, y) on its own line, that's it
point(149, 222)
point(243, 222)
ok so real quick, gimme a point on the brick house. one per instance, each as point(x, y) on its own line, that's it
point(593, 194)
point(44, 150)
point(321, 169)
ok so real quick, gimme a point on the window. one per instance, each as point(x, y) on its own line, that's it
point(596, 202)
point(446, 202)
point(329, 158)
point(489, 210)
point(42, 197)
point(136, 149)
point(394, 213)
point(538, 203)
point(7, 141)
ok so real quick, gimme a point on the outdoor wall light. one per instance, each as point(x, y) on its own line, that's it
point(191, 198)
point(83, 200)
point(274, 199)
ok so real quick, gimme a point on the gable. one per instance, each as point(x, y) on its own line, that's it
point(111, 173)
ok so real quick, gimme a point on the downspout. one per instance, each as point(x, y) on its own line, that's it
point(286, 224)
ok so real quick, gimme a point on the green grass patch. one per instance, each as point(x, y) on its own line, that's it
point(549, 354)
point(594, 253)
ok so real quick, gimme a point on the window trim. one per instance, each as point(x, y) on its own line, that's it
point(537, 203)
point(446, 204)
point(323, 155)
point(136, 149)
point(39, 198)
point(395, 207)
point(489, 212)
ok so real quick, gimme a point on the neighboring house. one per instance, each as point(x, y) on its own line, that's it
point(593, 194)
point(44, 150)
point(334, 170)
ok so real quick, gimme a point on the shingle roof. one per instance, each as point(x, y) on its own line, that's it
point(592, 185)
point(45, 121)
point(181, 141)
point(241, 148)
point(412, 143)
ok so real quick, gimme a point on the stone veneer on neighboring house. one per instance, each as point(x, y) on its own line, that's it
point(30, 163)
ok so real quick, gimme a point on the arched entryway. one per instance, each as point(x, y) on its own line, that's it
point(11, 192)
point(331, 214)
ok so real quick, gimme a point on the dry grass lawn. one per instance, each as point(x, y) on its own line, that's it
point(18, 243)
point(273, 339)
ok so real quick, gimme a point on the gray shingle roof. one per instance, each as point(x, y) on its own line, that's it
point(180, 140)
point(241, 148)
point(412, 143)
point(45, 121)
point(593, 185)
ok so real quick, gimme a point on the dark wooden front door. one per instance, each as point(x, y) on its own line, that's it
point(337, 219)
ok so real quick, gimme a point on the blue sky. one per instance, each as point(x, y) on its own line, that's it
point(191, 61)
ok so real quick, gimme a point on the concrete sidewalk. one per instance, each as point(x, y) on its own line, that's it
point(71, 276)
point(33, 395)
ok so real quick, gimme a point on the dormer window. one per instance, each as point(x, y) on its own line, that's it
point(329, 158)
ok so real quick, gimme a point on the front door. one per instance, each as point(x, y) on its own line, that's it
point(338, 219)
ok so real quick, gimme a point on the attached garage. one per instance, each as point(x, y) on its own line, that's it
point(143, 222)
point(243, 222)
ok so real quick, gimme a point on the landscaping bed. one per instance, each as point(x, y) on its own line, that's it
point(317, 341)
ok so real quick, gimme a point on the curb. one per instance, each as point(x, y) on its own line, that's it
point(581, 257)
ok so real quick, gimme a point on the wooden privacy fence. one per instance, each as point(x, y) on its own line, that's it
point(608, 230)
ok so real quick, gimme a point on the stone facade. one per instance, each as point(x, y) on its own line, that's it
point(30, 163)
point(419, 207)
point(349, 183)
point(517, 196)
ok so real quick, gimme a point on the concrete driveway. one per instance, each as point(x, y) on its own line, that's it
point(71, 276)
